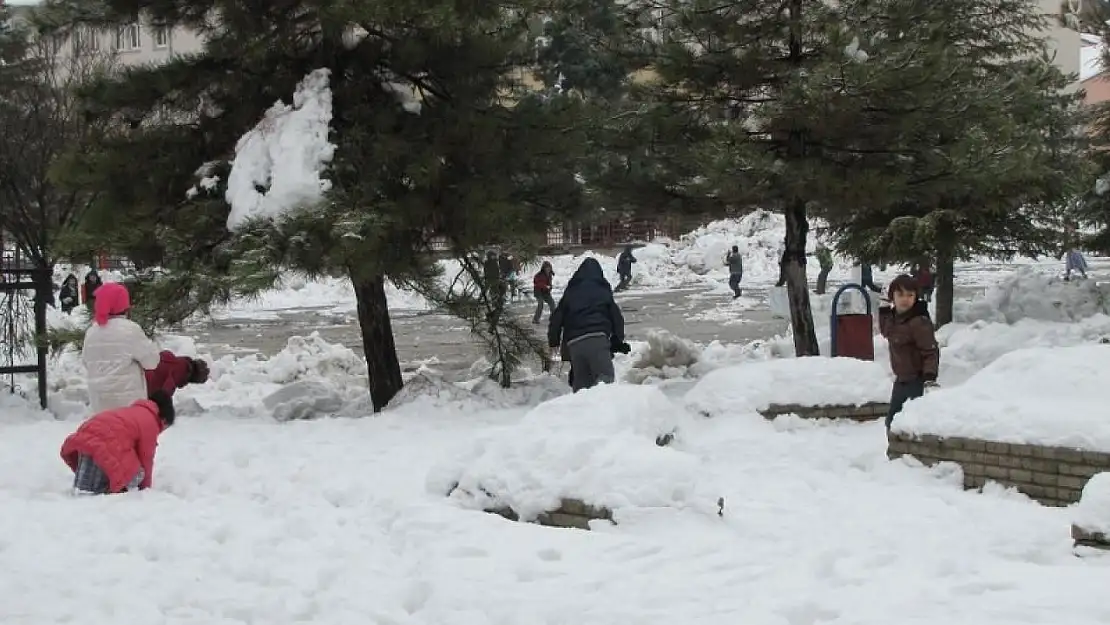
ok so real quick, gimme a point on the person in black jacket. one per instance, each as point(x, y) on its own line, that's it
point(68, 295)
point(624, 268)
point(589, 324)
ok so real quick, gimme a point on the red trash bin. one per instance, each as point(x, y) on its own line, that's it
point(852, 335)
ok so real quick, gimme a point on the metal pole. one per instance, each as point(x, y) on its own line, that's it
point(43, 290)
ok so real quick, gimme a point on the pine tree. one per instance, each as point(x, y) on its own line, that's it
point(435, 136)
point(993, 156)
point(1093, 206)
point(783, 106)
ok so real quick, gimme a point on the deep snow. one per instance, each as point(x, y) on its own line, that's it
point(346, 521)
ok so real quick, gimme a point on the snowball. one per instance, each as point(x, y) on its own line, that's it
point(1092, 513)
point(812, 381)
point(598, 446)
point(1042, 396)
point(284, 156)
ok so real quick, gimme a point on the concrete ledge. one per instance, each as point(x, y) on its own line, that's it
point(865, 412)
point(1083, 538)
point(1053, 476)
point(571, 513)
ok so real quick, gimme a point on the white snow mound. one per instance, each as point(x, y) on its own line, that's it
point(1092, 513)
point(597, 446)
point(1042, 396)
point(285, 154)
point(1029, 294)
point(813, 381)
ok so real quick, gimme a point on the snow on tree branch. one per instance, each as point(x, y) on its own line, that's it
point(279, 164)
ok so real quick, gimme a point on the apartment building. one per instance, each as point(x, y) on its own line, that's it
point(136, 43)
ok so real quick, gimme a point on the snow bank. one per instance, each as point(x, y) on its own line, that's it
point(285, 154)
point(968, 348)
point(428, 389)
point(1092, 513)
point(1054, 396)
point(816, 381)
point(1029, 294)
point(322, 374)
point(334, 295)
point(597, 446)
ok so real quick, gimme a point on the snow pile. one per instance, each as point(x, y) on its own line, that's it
point(284, 154)
point(697, 258)
point(308, 378)
point(1029, 294)
point(598, 446)
point(967, 348)
point(1092, 513)
point(1054, 396)
point(428, 389)
point(815, 381)
point(21, 406)
point(663, 356)
point(333, 295)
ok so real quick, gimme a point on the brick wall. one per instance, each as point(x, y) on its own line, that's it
point(1053, 476)
point(865, 412)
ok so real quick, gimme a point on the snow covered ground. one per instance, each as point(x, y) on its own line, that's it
point(346, 520)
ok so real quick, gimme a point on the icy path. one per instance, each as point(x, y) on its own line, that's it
point(329, 522)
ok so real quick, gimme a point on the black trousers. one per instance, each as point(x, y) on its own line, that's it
point(901, 393)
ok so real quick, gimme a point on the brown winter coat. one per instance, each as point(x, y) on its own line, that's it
point(914, 354)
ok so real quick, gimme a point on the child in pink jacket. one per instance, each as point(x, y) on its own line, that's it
point(113, 451)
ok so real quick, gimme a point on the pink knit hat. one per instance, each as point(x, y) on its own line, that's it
point(111, 299)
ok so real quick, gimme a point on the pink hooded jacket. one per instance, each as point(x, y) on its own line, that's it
point(112, 298)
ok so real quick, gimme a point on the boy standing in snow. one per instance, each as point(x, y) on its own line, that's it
point(914, 354)
point(735, 262)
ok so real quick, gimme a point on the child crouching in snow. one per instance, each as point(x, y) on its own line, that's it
point(914, 354)
point(113, 451)
point(174, 372)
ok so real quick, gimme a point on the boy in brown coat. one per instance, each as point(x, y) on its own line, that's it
point(914, 354)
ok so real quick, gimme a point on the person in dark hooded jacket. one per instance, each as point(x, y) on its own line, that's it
point(589, 324)
point(69, 295)
point(624, 268)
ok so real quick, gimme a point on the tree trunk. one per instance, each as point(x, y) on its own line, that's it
point(44, 291)
point(946, 273)
point(797, 225)
point(797, 287)
point(377, 340)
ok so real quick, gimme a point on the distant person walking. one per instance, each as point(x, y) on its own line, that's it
point(589, 325)
point(825, 261)
point(1075, 262)
point(735, 262)
point(925, 279)
point(541, 288)
point(624, 269)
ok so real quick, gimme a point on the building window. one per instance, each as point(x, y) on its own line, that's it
point(128, 38)
point(161, 37)
point(85, 41)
